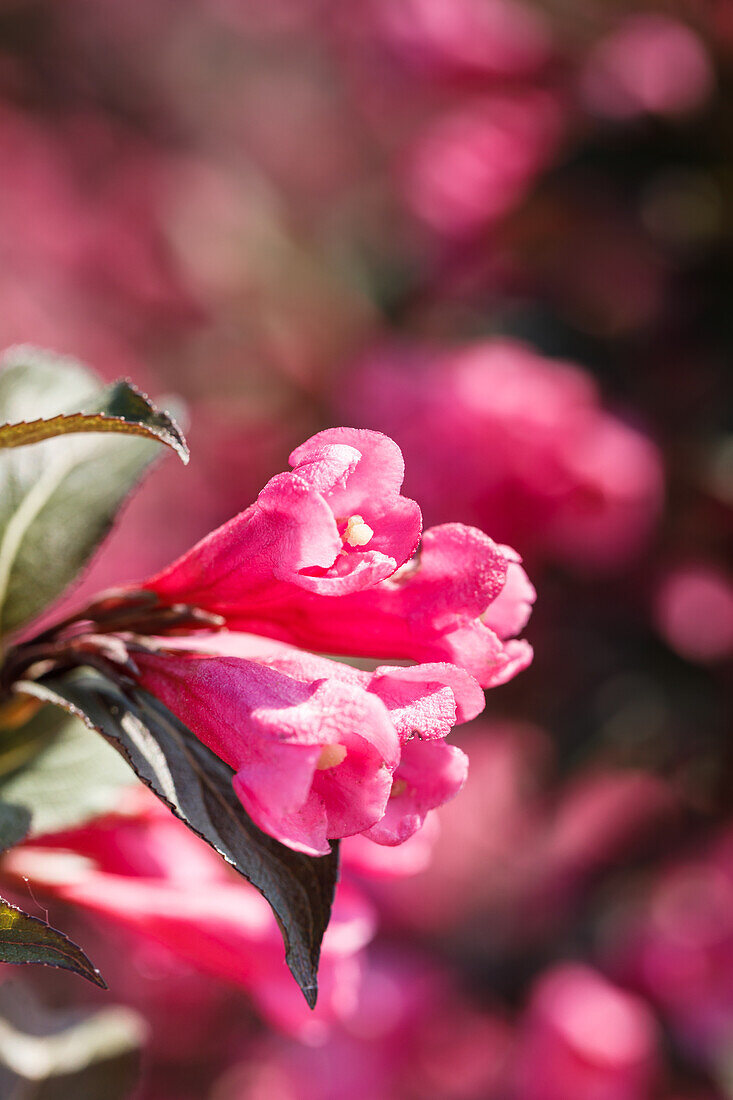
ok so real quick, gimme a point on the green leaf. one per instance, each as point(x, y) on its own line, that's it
point(55, 1055)
point(71, 776)
point(26, 939)
point(14, 825)
point(197, 786)
point(124, 410)
point(59, 499)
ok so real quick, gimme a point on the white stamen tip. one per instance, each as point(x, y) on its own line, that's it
point(357, 533)
point(331, 756)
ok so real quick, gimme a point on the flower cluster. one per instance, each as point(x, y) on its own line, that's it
point(326, 561)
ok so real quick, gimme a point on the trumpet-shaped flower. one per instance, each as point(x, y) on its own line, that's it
point(461, 599)
point(335, 524)
point(324, 561)
point(320, 749)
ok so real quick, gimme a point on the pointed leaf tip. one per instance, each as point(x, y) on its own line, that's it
point(197, 786)
point(122, 409)
point(26, 939)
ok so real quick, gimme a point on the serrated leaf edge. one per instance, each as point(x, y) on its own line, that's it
point(100, 422)
point(73, 954)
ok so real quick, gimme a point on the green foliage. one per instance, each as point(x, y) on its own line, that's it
point(15, 824)
point(26, 939)
point(123, 410)
point(70, 777)
point(58, 499)
point(197, 786)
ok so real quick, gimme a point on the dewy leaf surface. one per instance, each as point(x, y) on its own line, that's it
point(59, 498)
point(26, 939)
point(123, 410)
point(197, 786)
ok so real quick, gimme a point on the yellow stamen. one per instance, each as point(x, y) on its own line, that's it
point(399, 786)
point(331, 756)
point(357, 533)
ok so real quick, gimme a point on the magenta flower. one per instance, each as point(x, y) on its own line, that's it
point(584, 1038)
point(648, 63)
point(322, 560)
point(460, 599)
point(336, 524)
point(320, 749)
point(540, 458)
point(477, 162)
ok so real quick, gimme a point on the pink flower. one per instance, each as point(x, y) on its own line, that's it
point(336, 524)
point(585, 1039)
point(677, 946)
point(509, 613)
point(144, 870)
point(375, 861)
point(500, 436)
point(650, 62)
point(320, 749)
point(476, 163)
point(274, 569)
point(428, 775)
point(465, 37)
point(414, 1034)
point(460, 599)
point(694, 612)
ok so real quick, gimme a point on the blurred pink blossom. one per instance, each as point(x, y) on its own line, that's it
point(678, 948)
point(189, 1014)
point(474, 164)
point(145, 870)
point(455, 38)
point(413, 1035)
point(583, 1038)
point(694, 612)
point(500, 436)
point(650, 62)
point(90, 222)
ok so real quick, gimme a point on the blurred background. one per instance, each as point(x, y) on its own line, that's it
point(499, 231)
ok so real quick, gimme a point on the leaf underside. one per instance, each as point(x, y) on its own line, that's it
point(26, 939)
point(197, 786)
